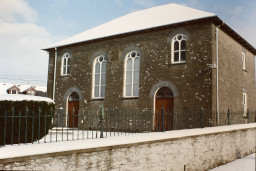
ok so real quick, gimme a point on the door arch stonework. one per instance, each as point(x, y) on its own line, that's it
point(71, 90)
point(163, 84)
point(66, 101)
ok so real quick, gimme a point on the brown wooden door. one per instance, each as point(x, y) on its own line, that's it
point(164, 99)
point(73, 108)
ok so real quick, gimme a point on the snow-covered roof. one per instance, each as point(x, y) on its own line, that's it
point(5, 86)
point(21, 97)
point(138, 20)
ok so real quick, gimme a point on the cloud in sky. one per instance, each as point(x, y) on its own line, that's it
point(12, 10)
point(21, 40)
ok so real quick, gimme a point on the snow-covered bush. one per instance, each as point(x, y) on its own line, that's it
point(24, 119)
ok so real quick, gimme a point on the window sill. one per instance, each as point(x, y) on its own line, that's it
point(62, 76)
point(99, 99)
point(180, 63)
point(129, 98)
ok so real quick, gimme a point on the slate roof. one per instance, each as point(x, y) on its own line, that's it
point(150, 18)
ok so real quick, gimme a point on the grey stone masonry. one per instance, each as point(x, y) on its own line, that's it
point(201, 150)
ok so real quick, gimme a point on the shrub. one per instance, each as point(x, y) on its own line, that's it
point(24, 121)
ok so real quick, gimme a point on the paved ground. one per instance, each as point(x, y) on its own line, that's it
point(244, 164)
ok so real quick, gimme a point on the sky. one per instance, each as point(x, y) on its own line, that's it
point(28, 26)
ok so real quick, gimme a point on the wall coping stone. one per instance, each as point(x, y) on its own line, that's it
point(108, 145)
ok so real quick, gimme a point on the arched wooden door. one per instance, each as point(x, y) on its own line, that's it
point(73, 107)
point(164, 99)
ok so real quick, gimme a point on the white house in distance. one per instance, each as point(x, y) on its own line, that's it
point(33, 90)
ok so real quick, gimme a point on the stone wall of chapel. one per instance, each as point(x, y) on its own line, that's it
point(192, 79)
point(233, 80)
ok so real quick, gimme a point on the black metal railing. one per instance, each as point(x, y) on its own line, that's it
point(33, 126)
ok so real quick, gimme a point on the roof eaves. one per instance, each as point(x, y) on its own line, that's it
point(216, 19)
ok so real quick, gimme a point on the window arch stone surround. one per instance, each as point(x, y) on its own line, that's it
point(175, 32)
point(97, 54)
point(129, 49)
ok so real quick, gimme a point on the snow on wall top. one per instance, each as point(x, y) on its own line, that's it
point(138, 20)
point(21, 97)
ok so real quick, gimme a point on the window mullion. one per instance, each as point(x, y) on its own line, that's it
point(100, 80)
point(65, 66)
point(125, 79)
point(179, 51)
point(132, 77)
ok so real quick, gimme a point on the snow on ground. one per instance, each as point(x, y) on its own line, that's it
point(21, 97)
point(244, 164)
point(44, 148)
point(57, 135)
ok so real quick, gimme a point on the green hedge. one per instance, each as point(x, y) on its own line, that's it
point(18, 125)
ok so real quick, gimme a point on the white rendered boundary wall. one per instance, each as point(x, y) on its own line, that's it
point(195, 149)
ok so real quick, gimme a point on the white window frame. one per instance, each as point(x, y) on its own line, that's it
point(97, 60)
point(245, 104)
point(175, 38)
point(65, 69)
point(243, 60)
point(129, 56)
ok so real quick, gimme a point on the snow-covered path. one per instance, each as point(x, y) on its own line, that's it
point(244, 164)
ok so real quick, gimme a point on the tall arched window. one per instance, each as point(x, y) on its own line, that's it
point(179, 48)
point(65, 64)
point(132, 73)
point(99, 77)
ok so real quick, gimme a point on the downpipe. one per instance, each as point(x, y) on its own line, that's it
point(54, 76)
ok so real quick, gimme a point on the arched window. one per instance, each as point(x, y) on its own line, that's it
point(179, 48)
point(65, 64)
point(99, 77)
point(132, 73)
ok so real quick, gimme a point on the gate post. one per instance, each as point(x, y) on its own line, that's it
point(228, 116)
point(101, 120)
point(248, 116)
point(162, 119)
